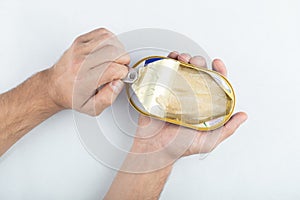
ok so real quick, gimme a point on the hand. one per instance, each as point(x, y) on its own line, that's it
point(169, 141)
point(158, 145)
point(94, 59)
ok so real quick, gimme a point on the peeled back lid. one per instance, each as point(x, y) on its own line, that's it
point(181, 93)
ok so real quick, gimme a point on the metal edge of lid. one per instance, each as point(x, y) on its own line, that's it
point(177, 122)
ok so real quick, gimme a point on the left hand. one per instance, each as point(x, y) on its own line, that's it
point(172, 142)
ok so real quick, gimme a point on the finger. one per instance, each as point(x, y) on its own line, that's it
point(198, 61)
point(104, 97)
point(219, 66)
point(184, 57)
point(205, 142)
point(104, 40)
point(91, 35)
point(108, 53)
point(173, 54)
point(100, 41)
point(232, 125)
point(114, 71)
point(98, 76)
point(111, 53)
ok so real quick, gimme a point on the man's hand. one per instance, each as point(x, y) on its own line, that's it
point(159, 144)
point(94, 59)
point(154, 135)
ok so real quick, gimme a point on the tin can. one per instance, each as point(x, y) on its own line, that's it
point(181, 93)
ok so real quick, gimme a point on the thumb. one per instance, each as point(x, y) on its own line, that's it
point(207, 141)
point(232, 125)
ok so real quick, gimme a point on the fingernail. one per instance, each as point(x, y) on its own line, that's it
point(116, 86)
point(245, 117)
point(199, 61)
point(174, 54)
point(184, 57)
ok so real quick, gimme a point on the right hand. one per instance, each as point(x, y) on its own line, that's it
point(94, 59)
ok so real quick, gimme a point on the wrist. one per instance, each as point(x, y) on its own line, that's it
point(46, 83)
point(144, 146)
point(148, 185)
point(147, 157)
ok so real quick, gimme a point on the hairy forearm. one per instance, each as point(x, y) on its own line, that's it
point(23, 108)
point(138, 185)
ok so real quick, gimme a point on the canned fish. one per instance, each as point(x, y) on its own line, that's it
point(181, 93)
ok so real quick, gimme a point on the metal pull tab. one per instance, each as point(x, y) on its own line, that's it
point(131, 76)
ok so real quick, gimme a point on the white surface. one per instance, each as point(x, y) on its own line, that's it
point(258, 40)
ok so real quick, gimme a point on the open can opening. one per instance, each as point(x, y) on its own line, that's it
point(181, 93)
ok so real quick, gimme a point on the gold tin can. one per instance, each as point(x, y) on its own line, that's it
point(181, 93)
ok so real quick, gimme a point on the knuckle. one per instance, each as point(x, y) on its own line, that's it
point(122, 72)
point(87, 111)
point(118, 54)
point(91, 110)
point(111, 48)
point(104, 31)
point(97, 114)
point(126, 58)
point(111, 70)
point(105, 101)
point(93, 114)
point(79, 40)
point(107, 36)
point(118, 71)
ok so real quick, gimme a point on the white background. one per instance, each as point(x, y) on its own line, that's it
point(259, 40)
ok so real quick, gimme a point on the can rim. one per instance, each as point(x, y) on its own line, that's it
point(177, 122)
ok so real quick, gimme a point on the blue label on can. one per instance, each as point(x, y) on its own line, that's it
point(150, 60)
